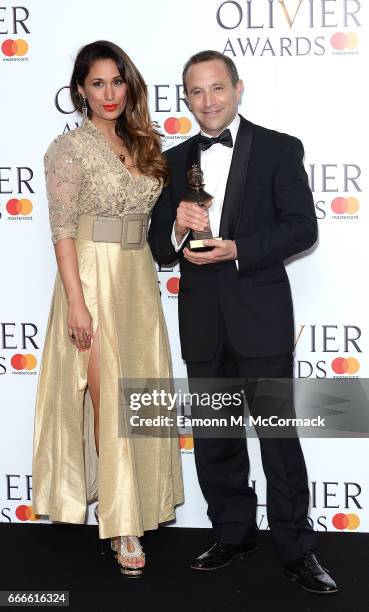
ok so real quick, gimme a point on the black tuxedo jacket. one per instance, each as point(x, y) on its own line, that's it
point(268, 210)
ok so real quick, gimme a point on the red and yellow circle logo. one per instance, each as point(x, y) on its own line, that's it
point(17, 47)
point(346, 521)
point(186, 442)
point(182, 125)
point(25, 513)
point(23, 362)
point(19, 207)
point(348, 206)
point(340, 41)
point(173, 285)
point(349, 366)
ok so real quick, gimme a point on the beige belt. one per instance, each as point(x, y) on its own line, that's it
point(130, 231)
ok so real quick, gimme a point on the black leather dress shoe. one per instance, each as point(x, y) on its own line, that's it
point(220, 555)
point(310, 574)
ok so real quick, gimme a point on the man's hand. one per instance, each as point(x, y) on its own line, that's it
point(224, 250)
point(189, 217)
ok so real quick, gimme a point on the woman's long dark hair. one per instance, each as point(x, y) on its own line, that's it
point(134, 124)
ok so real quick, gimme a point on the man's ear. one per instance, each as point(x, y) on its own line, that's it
point(240, 89)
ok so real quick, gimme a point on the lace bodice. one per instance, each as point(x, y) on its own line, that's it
point(85, 176)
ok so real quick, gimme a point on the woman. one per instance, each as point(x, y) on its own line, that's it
point(106, 323)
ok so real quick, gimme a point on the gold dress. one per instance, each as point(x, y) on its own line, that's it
point(138, 481)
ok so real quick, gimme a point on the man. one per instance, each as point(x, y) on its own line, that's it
point(235, 307)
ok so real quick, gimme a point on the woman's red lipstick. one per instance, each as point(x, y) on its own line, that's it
point(110, 107)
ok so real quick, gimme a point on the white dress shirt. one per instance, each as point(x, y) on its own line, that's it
point(215, 164)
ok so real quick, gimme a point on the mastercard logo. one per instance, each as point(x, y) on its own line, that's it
point(340, 41)
point(345, 521)
point(186, 442)
point(19, 207)
point(25, 513)
point(23, 362)
point(17, 47)
point(173, 285)
point(348, 206)
point(172, 125)
point(340, 365)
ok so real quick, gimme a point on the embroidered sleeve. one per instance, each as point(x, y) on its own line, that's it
point(63, 182)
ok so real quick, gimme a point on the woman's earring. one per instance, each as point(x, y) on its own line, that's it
point(84, 108)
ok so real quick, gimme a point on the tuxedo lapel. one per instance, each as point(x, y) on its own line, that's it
point(236, 181)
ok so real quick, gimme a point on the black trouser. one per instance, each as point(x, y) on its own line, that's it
point(222, 463)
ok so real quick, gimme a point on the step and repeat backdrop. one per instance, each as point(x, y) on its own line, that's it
point(304, 71)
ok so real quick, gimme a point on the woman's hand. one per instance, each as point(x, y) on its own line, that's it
point(80, 327)
point(79, 320)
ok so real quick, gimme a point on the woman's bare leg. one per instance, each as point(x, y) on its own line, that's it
point(93, 382)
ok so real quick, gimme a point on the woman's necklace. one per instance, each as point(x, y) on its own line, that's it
point(117, 148)
point(122, 158)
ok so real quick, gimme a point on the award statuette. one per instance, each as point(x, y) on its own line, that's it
point(196, 193)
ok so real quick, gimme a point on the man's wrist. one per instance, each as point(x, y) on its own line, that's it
point(180, 234)
point(235, 253)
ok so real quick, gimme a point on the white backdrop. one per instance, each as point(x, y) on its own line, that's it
point(303, 67)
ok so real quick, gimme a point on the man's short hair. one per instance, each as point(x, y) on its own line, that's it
point(207, 56)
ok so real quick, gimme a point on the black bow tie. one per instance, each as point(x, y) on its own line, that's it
point(225, 138)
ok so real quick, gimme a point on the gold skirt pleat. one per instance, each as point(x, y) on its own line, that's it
point(138, 481)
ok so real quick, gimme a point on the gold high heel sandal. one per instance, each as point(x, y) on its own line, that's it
point(131, 571)
point(119, 546)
